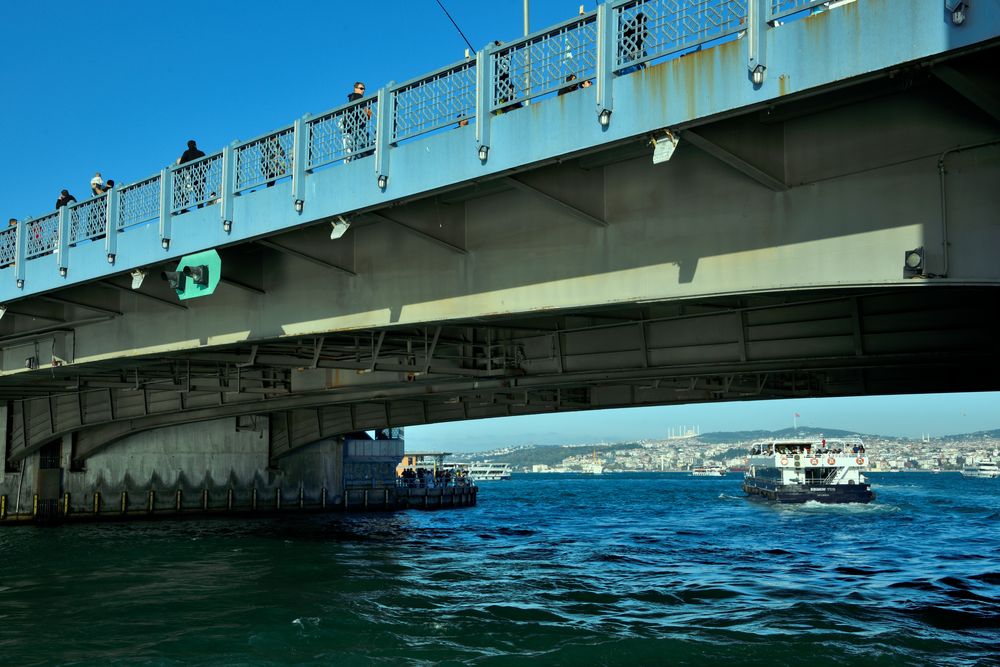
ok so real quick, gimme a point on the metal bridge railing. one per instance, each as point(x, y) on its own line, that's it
point(139, 203)
point(196, 183)
point(264, 160)
point(651, 29)
point(88, 219)
point(8, 246)
point(628, 34)
point(345, 133)
point(544, 63)
point(440, 99)
point(41, 235)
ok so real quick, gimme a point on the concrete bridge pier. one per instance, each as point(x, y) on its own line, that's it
point(219, 466)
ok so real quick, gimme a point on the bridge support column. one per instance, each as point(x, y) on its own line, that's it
point(20, 252)
point(383, 135)
point(166, 205)
point(606, 40)
point(111, 225)
point(300, 154)
point(228, 193)
point(757, 40)
point(484, 102)
point(62, 240)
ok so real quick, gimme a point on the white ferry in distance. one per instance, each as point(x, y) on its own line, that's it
point(983, 469)
point(488, 471)
point(708, 471)
point(797, 471)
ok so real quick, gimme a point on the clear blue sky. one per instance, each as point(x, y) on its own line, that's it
point(120, 88)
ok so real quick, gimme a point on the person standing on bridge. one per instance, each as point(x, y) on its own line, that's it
point(273, 161)
point(633, 42)
point(64, 198)
point(194, 184)
point(354, 124)
point(505, 91)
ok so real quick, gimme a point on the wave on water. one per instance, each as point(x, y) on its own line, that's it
point(814, 506)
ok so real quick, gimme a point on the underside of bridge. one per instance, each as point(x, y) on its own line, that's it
point(764, 260)
point(782, 345)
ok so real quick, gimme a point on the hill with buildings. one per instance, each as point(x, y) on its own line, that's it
point(729, 448)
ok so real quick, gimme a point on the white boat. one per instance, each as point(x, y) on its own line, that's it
point(708, 471)
point(983, 469)
point(595, 467)
point(797, 471)
point(488, 471)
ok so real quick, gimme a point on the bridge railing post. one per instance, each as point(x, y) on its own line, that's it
point(62, 240)
point(484, 101)
point(300, 154)
point(606, 40)
point(384, 123)
point(228, 193)
point(111, 225)
point(757, 11)
point(166, 197)
point(20, 251)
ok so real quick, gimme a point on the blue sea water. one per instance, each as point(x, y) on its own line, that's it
point(618, 569)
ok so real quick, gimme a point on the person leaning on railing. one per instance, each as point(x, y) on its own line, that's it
point(633, 42)
point(354, 124)
point(193, 184)
point(505, 89)
point(273, 161)
point(107, 187)
point(65, 198)
point(570, 86)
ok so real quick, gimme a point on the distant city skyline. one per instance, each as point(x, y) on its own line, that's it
point(907, 416)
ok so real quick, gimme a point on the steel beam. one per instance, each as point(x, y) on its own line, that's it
point(143, 295)
point(969, 89)
point(78, 304)
point(734, 161)
point(569, 208)
point(303, 256)
point(241, 285)
point(417, 232)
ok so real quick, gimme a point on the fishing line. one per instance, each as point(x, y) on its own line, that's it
point(471, 48)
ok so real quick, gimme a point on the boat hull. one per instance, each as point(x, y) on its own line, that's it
point(821, 493)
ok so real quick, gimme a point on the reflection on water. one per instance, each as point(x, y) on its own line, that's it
point(619, 569)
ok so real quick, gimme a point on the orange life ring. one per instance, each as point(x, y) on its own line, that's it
point(784, 461)
point(830, 461)
point(860, 461)
point(814, 462)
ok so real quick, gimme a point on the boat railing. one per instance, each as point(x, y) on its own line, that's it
point(431, 483)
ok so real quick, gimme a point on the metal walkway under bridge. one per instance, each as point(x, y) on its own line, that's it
point(494, 238)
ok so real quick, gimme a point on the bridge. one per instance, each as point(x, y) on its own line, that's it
point(654, 202)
